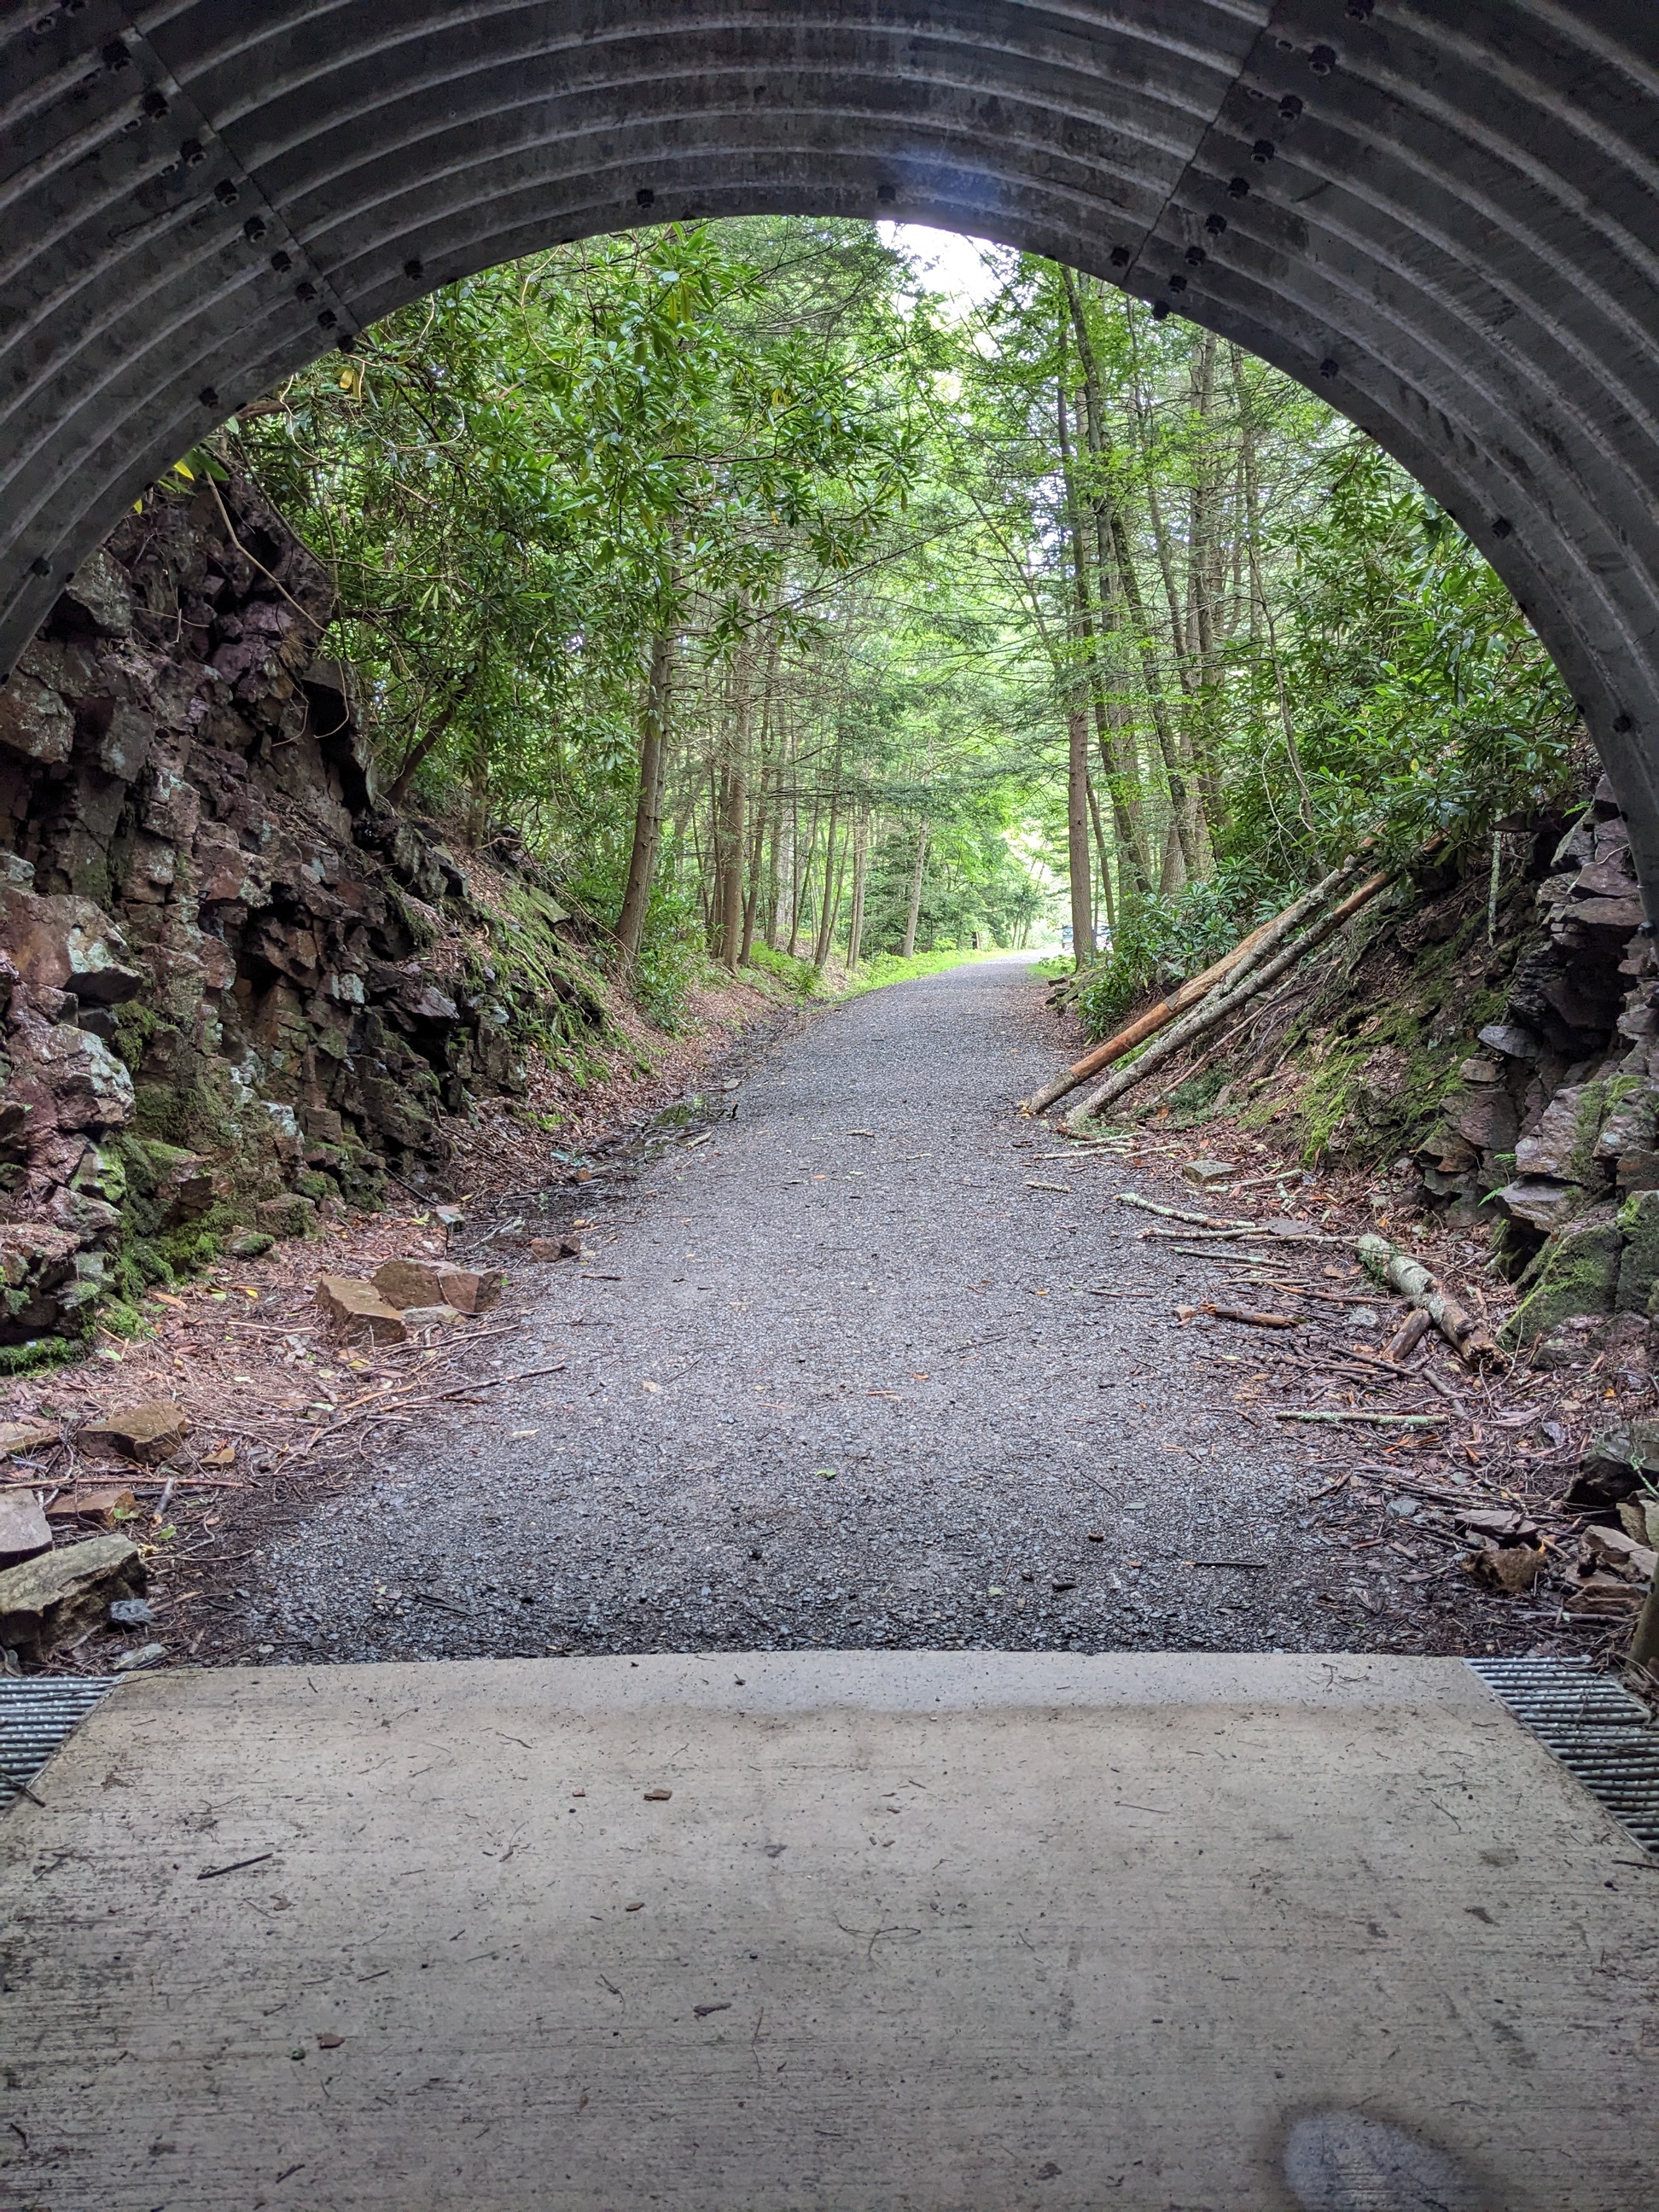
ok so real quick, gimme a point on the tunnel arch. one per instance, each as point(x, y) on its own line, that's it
point(1446, 222)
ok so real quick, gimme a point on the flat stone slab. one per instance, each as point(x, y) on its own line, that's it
point(912, 1933)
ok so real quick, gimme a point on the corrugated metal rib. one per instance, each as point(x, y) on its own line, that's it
point(1460, 213)
point(1601, 1734)
point(37, 1714)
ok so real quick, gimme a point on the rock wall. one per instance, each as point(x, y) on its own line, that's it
point(1517, 1065)
point(235, 985)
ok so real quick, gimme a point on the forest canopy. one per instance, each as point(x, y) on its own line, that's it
point(792, 609)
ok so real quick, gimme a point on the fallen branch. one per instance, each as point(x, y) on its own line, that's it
point(1470, 1338)
point(1250, 1315)
point(1221, 1002)
point(1232, 966)
point(1175, 1213)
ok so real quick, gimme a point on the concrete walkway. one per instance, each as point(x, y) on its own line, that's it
point(912, 1933)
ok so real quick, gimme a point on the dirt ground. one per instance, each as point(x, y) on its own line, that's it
point(856, 1355)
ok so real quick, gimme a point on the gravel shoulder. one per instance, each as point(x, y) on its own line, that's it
point(876, 1363)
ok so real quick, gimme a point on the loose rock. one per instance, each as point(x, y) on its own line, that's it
point(148, 1434)
point(358, 1311)
point(23, 1529)
point(23, 1438)
point(56, 1595)
point(433, 1282)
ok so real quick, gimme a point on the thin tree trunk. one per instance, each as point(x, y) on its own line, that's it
point(1261, 605)
point(827, 903)
point(732, 819)
point(1079, 865)
point(915, 915)
point(647, 814)
point(860, 870)
point(1167, 745)
point(416, 758)
point(1106, 898)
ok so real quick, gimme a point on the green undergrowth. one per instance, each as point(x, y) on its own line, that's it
point(885, 967)
point(801, 979)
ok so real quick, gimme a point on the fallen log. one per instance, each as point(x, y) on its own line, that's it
point(1224, 999)
point(1231, 967)
point(1469, 1337)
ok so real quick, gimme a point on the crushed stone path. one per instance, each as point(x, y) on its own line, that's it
point(841, 1375)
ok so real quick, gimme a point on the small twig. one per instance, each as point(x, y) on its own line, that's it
point(16, 1782)
point(212, 1874)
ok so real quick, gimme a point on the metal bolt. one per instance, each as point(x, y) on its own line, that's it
point(1263, 151)
point(208, 396)
point(1215, 224)
point(1177, 282)
point(327, 319)
point(1503, 527)
point(1289, 107)
point(1239, 189)
point(414, 269)
point(305, 292)
point(155, 104)
point(645, 197)
point(281, 262)
point(226, 192)
point(39, 569)
point(1196, 257)
point(1160, 309)
point(1361, 9)
point(1329, 367)
point(193, 153)
point(116, 57)
point(886, 194)
point(1120, 257)
point(1322, 60)
point(254, 228)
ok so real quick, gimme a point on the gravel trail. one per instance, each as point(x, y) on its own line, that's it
point(840, 1375)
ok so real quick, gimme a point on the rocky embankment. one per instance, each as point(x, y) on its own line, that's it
point(235, 984)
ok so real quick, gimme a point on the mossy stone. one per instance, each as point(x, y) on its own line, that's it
point(1579, 1274)
point(1638, 1267)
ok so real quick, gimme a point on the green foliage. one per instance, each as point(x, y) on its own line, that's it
point(1161, 940)
point(897, 559)
point(800, 977)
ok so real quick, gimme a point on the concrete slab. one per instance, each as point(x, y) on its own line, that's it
point(912, 1933)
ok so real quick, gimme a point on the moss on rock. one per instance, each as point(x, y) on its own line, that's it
point(1577, 1272)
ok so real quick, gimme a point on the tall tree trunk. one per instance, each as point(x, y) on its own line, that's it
point(826, 902)
point(1259, 601)
point(916, 879)
point(734, 810)
point(1106, 898)
point(1079, 865)
point(1168, 742)
point(860, 870)
point(647, 814)
point(803, 878)
point(763, 806)
point(1121, 776)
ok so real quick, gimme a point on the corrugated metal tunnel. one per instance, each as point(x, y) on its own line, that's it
point(1444, 220)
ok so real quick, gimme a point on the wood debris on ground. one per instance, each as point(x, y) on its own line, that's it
point(1469, 1463)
